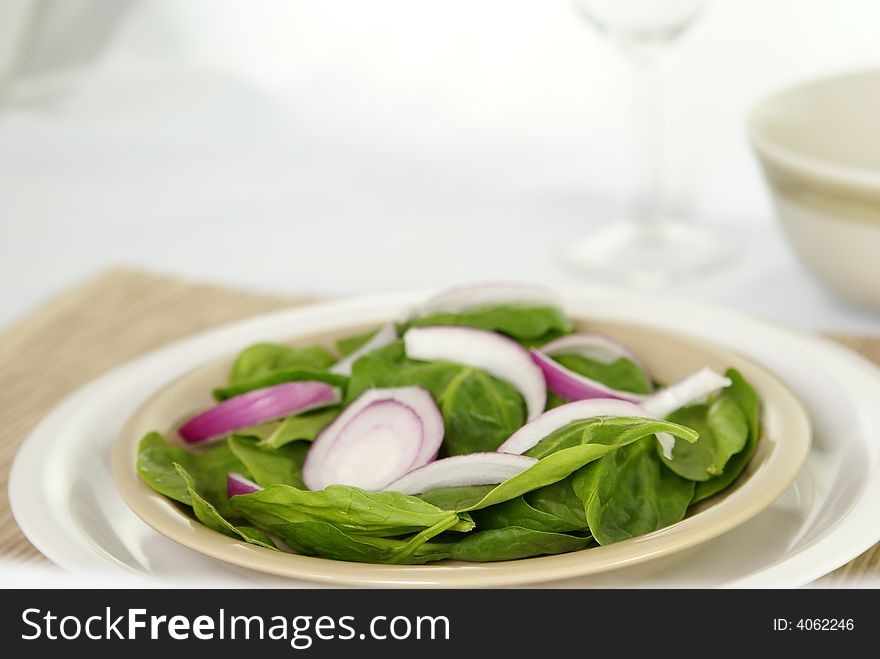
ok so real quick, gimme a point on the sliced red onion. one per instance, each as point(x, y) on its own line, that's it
point(461, 298)
point(386, 334)
point(382, 435)
point(462, 470)
point(685, 392)
point(597, 347)
point(574, 386)
point(256, 407)
point(530, 434)
point(238, 484)
point(494, 353)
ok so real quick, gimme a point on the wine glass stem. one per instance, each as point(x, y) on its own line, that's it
point(653, 203)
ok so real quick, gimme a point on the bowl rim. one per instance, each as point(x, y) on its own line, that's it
point(787, 455)
point(809, 165)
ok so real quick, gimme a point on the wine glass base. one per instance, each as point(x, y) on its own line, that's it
point(648, 253)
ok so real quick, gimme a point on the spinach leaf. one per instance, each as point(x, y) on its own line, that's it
point(513, 543)
point(256, 536)
point(376, 369)
point(519, 512)
point(323, 539)
point(351, 509)
point(417, 541)
point(621, 374)
point(560, 500)
point(277, 377)
point(479, 411)
point(456, 498)
point(155, 465)
point(208, 468)
point(269, 466)
point(262, 359)
point(747, 400)
point(207, 514)
point(723, 432)
point(318, 538)
point(349, 344)
point(619, 431)
point(306, 426)
point(529, 323)
point(554, 400)
point(629, 493)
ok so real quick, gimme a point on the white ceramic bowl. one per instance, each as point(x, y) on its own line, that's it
point(819, 146)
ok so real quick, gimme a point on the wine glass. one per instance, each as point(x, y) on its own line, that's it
point(656, 244)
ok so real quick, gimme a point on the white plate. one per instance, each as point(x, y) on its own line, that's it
point(63, 497)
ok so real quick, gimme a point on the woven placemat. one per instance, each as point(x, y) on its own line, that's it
point(123, 313)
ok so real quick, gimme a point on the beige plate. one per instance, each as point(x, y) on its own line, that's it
point(781, 452)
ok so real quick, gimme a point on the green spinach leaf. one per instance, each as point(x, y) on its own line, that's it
point(349, 344)
point(305, 427)
point(749, 404)
point(351, 509)
point(513, 543)
point(723, 433)
point(456, 498)
point(269, 466)
point(554, 400)
point(560, 500)
point(323, 539)
point(629, 493)
point(621, 374)
point(318, 538)
point(208, 515)
point(519, 512)
point(376, 369)
point(528, 323)
point(263, 359)
point(207, 466)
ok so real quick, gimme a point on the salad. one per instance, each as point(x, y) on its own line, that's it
point(482, 427)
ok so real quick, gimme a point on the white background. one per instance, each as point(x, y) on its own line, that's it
point(342, 146)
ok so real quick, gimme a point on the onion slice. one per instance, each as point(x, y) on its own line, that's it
point(574, 386)
point(597, 347)
point(496, 354)
point(530, 434)
point(462, 470)
point(386, 334)
point(685, 392)
point(238, 484)
point(256, 407)
point(468, 296)
point(382, 435)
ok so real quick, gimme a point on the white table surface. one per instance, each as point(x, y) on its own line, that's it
point(204, 177)
point(344, 147)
